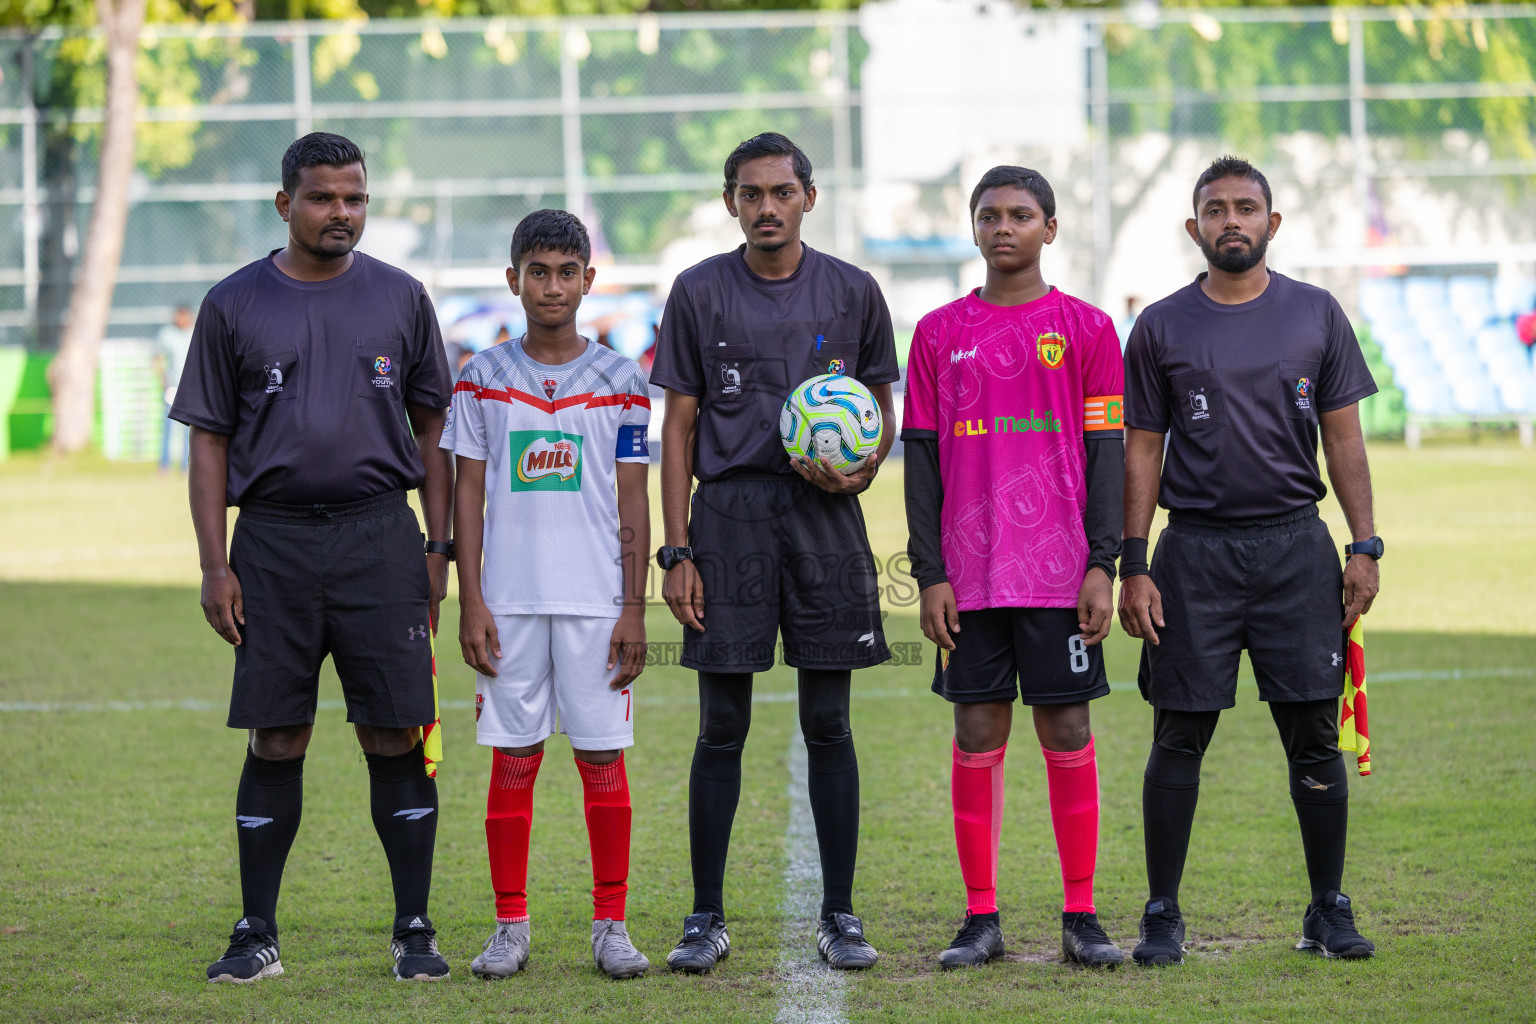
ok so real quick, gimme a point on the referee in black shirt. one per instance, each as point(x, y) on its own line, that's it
point(316, 389)
point(1240, 371)
point(765, 546)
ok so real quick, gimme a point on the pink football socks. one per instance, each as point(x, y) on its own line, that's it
point(1073, 777)
point(976, 789)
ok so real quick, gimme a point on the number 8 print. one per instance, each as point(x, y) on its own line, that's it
point(1079, 652)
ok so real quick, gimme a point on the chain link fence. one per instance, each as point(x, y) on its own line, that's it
point(1397, 140)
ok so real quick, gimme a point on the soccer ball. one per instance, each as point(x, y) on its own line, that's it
point(831, 417)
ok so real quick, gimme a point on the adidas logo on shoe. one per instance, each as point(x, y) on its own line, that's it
point(415, 923)
point(244, 923)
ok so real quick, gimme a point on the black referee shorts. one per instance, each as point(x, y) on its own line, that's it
point(1274, 587)
point(1006, 653)
point(345, 580)
point(778, 554)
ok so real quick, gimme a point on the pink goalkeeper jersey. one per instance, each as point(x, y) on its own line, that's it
point(1011, 391)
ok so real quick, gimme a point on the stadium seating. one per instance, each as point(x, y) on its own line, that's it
point(1451, 346)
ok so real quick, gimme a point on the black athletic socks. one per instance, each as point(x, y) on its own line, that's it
point(714, 788)
point(1170, 789)
point(403, 798)
point(268, 805)
point(1319, 787)
point(833, 781)
point(714, 784)
point(1321, 795)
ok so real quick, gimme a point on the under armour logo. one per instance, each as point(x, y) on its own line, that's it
point(1337, 661)
point(414, 814)
point(250, 821)
point(868, 639)
point(416, 632)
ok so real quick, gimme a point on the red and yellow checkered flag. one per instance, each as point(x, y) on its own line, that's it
point(432, 735)
point(1354, 727)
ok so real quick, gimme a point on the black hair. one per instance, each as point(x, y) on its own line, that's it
point(767, 144)
point(1233, 167)
point(1008, 176)
point(555, 230)
point(319, 149)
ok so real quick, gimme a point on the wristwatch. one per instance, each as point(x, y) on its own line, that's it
point(668, 557)
point(1373, 547)
point(440, 547)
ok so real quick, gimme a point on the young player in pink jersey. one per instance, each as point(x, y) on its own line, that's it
point(549, 431)
point(1014, 461)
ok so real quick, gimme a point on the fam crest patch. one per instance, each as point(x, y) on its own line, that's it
point(1051, 348)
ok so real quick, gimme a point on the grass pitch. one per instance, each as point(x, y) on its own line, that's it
point(118, 882)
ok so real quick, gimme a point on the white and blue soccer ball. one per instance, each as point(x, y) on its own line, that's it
point(831, 417)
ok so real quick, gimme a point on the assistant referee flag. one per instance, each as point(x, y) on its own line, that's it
point(1354, 727)
point(432, 735)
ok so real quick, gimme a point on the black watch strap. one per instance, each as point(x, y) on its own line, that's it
point(440, 547)
point(667, 557)
point(1373, 547)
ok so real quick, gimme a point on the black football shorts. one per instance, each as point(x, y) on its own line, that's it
point(345, 580)
point(1033, 654)
point(779, 555)
point(1271, 586)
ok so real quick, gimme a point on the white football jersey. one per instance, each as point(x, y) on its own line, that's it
point(551, 438)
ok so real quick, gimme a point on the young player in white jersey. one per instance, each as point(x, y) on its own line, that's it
point(550, 434)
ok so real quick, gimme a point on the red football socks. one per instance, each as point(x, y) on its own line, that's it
point(976, 790)
point(1073, 777)
point(508, 817)
point(605, 795)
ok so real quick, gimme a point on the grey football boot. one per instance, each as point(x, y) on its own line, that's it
point(614, 953)
point(506, 952)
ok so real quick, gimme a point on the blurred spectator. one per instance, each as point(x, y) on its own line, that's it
point(1525, 327)
point(173, 341)
point(458, 355)
point(1124, 324)
point(502, 334)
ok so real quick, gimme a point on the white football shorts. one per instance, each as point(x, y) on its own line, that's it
point(552, 677)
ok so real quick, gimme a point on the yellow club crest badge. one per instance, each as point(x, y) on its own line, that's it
point(1052, 349)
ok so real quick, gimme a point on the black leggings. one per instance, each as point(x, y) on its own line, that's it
point(725, 708)
point(1309, 732)
point(714, 788)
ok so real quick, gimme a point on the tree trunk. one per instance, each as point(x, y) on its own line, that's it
point(72, 376)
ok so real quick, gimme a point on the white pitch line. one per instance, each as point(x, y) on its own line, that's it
point(812, 992)
point(771, 697)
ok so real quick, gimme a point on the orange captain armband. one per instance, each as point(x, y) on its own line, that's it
point(1103, 412)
